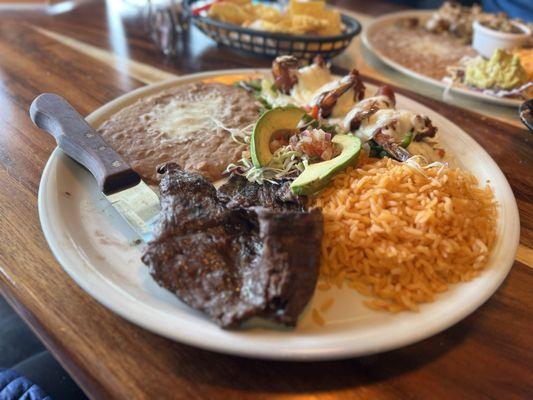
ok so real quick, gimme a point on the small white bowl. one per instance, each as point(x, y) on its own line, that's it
point(486, 40)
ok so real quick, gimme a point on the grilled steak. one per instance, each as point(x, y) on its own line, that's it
point(238, 192)
point(233, 263)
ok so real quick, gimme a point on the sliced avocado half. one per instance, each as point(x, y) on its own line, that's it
point(272, 121)
point(316, 176)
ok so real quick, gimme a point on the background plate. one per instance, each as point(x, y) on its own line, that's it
point(96, 248)
point(390, 19)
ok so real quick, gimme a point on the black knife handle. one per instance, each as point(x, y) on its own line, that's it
point(80, 141)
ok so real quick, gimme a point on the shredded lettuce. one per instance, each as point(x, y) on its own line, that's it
point(285, 163)
point(420, 163)
point(272, 97)
point(238, 135)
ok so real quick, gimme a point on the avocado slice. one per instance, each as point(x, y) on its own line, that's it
point(316, 176)
point(271, 122)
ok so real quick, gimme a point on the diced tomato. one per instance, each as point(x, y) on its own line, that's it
point(315, 143)
point(314, 112)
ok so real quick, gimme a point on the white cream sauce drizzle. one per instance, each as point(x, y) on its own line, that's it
point(383, 118)
point(429, 150)
point(313, 80)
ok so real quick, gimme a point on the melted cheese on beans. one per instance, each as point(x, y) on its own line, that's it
point(180, 119)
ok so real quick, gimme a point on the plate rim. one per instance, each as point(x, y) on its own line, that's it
point(252, 349)
point(418, 76)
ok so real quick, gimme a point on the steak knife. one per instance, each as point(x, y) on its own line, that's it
point(121, 185)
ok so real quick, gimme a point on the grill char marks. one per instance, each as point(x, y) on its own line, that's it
point(238, 192)
point(233, 263)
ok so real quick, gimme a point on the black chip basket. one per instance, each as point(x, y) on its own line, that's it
point(274, 44)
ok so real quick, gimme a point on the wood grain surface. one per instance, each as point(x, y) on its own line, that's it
point(99, 51)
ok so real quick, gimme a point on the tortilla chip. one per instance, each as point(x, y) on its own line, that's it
point(239, 2)
point(330, 20)
point(526, 59)
point(307, 24)
point(334, 24)
point(314, 8)
point(264, 12)
point(226, 11)
point(310, 17)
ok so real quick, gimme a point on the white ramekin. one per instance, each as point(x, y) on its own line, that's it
point(486, 40)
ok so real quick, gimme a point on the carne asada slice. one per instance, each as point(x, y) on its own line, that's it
point(239, 192)
point(233, 263)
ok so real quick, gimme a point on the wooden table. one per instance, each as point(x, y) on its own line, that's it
point(90, 56)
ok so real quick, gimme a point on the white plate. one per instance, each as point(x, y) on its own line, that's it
point(95, 248)
point(391, 18)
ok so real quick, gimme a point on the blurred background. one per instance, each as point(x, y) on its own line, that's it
point(515, 8)
point(20, 350)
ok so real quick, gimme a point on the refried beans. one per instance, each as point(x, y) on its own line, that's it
point(178, 125)
point(424, 52)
